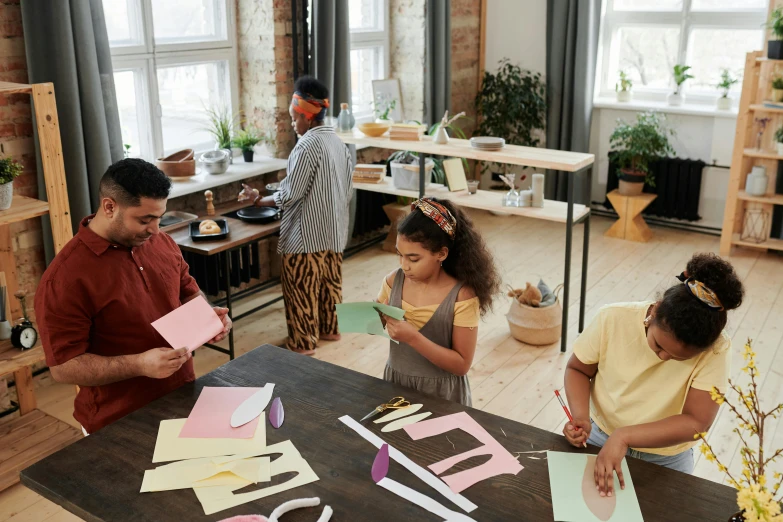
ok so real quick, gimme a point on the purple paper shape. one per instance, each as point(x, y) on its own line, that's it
point(276, 413)
point(380, 466)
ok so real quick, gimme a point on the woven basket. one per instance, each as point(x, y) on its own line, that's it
point(536, 326)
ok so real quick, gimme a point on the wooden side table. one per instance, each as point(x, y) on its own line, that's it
point(395, 213)
point(631, 225)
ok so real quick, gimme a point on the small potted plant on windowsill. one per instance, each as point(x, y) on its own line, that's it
point(680, 75)
point(726, 81)
point(220, 124)
point(775, 25)
point(637, 145)
point(623, 88)
point(9, 169)
point(245, 140)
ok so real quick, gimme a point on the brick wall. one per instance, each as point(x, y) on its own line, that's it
point(465, 35)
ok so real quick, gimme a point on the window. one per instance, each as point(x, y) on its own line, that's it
point(369, 23)
point(172, 60)
point(647, 38)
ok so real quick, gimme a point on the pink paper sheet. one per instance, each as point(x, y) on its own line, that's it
point(189, 326)
point(211, 416)
point(501, 461)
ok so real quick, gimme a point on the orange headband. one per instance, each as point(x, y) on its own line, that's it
point(312, 108)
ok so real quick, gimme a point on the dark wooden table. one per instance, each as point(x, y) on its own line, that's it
point(99, 477)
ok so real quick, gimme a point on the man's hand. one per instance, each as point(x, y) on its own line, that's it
point(160, 363)
point(227, 324)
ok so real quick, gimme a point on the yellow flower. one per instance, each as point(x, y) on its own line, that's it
point(722, 468)
point(778, 476)
point(762, 481)
point(758, 504)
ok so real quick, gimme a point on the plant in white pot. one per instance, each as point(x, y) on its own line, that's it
point(623, 88)
point(777, 89)
point(637, 145)
point(724, 86)
point(779, 140)
point(9, 169)
point(680, 75)
point(220, 125)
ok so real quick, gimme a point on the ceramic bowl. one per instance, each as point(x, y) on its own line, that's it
point(373, 130)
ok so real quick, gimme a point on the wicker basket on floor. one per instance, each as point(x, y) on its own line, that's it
point(536, 326)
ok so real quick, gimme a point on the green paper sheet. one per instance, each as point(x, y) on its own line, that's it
point(566, 474)
point(364, 318)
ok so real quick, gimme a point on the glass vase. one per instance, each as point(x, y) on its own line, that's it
point(511, 198)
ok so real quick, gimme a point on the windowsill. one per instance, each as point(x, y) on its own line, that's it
point(237, 171)
point(690, 109)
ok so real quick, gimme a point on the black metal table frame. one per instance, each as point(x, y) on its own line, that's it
point(570, 223)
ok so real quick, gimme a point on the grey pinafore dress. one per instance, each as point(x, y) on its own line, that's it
point(409, 368)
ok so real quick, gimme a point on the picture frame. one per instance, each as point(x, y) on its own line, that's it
point(390, 89)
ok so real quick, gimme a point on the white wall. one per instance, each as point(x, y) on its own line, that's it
point(516, 29)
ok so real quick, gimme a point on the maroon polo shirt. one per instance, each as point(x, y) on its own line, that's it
point(101, 298)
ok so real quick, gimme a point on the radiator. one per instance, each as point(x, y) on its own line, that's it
point(677, 184)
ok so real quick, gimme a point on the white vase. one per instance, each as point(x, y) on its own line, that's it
point(6, 195)
point(724, 103)
point(623, 96)
point(779, 146)
point(441, 136)
point(675, 99)
point(757, 181)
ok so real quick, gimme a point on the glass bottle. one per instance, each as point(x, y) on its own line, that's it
point(511, 199)
point(345, 121)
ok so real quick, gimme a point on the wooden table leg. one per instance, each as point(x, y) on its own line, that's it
point(25, 390)
point(631, 225)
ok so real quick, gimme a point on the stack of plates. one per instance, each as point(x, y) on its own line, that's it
point(487, 143)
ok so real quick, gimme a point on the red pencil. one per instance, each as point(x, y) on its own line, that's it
point(565, 408)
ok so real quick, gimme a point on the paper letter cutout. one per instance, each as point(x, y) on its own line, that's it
point(380, 466)
point(424, 475)
point(206, 472)
point(189, 326)
point(219, 498)
point(501, 462)
point(211, 416)
point(276, 413)
point(253, 407)
point(398, 414)
point(170, 447)
point(405, 421)
point(570, 501)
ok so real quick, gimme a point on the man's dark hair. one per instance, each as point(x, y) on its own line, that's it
point(312, 86)
point(131, 179)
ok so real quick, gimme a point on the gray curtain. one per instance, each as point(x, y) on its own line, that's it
point(572, 46)
point(67, 44)
point(437, 74)
point(331, 53)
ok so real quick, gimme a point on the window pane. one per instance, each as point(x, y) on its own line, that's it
point(715, 5)
point(122, 22)
point(128, 107)
point(185, 92)
point(711, 50)
point(178, 21)
point(647, 54)
point(364, 15)
point(648, 5)
point(365, 67)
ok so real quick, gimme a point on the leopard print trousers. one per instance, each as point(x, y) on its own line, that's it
point(312, 286)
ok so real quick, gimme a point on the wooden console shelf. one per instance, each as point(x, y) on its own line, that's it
point(15, 88)
point(23, 208)
point(769, 244)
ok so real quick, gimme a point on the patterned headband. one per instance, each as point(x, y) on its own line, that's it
point(312, 108)
point(701, 292)
point(438, 213)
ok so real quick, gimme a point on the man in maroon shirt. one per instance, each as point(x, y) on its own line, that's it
point(97, 300)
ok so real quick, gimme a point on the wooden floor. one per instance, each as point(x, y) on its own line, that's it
point(509, 378)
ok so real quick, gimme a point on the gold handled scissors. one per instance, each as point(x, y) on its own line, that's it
point(394, 404)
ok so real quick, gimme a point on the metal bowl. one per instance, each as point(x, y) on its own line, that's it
point(271, 188)
point(215, 161)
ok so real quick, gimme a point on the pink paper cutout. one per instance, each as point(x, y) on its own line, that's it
point(210, 418)
point(501, 460)
point(380, 466)
point(602, 507)
point(276, 413)
point(189, 326)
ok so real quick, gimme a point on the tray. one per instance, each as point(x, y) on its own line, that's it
point(195, 235)
point(176, 219)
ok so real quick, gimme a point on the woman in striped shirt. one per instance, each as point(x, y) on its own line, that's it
point(314, 198)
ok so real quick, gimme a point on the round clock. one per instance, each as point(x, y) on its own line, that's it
point(23, 335)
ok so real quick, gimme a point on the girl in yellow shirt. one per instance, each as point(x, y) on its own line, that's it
point(446, 280)
point(640, 377)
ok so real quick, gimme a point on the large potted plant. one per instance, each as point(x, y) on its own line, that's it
point(775, 24)
point(680, 75)
point(245, 140)
point(511, 105)
point(9, 169)
point(725, 84)
point(637, 145)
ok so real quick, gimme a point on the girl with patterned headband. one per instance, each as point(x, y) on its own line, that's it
point(641, 378)
point(446, 281)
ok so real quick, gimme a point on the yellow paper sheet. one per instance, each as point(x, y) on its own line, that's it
point(169, 446)
point(219, 498)
point(206, 473)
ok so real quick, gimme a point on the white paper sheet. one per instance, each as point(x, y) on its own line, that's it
point(423, 501)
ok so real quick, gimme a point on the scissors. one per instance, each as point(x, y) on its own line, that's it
point(394, 404)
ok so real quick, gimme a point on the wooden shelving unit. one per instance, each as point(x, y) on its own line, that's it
point(33, 435)
point(756, 88)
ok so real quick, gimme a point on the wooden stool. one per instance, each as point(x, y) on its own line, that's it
point(631, 225)
point(395, 213)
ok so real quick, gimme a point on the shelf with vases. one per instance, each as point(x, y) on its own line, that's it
point(23, 208)
point(762, 154)
point(771, 243)
point(771, 199)
point(760, 107)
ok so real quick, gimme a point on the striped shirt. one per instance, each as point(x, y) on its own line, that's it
point(315, 194)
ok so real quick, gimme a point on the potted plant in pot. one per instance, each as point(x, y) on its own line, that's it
point(680, 75)
point(623, 88)
point(220, 124)
point(637, 145)
point(9, 169)
point(726, 81)
point(777, 89)
point(775, 25)
point(384, 104)
point(779, 140)
point(245, 140)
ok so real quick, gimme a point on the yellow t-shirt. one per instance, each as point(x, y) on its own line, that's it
point(632, 385)
point(466, 313)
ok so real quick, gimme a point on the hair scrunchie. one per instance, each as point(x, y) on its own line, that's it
point(701, 292)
